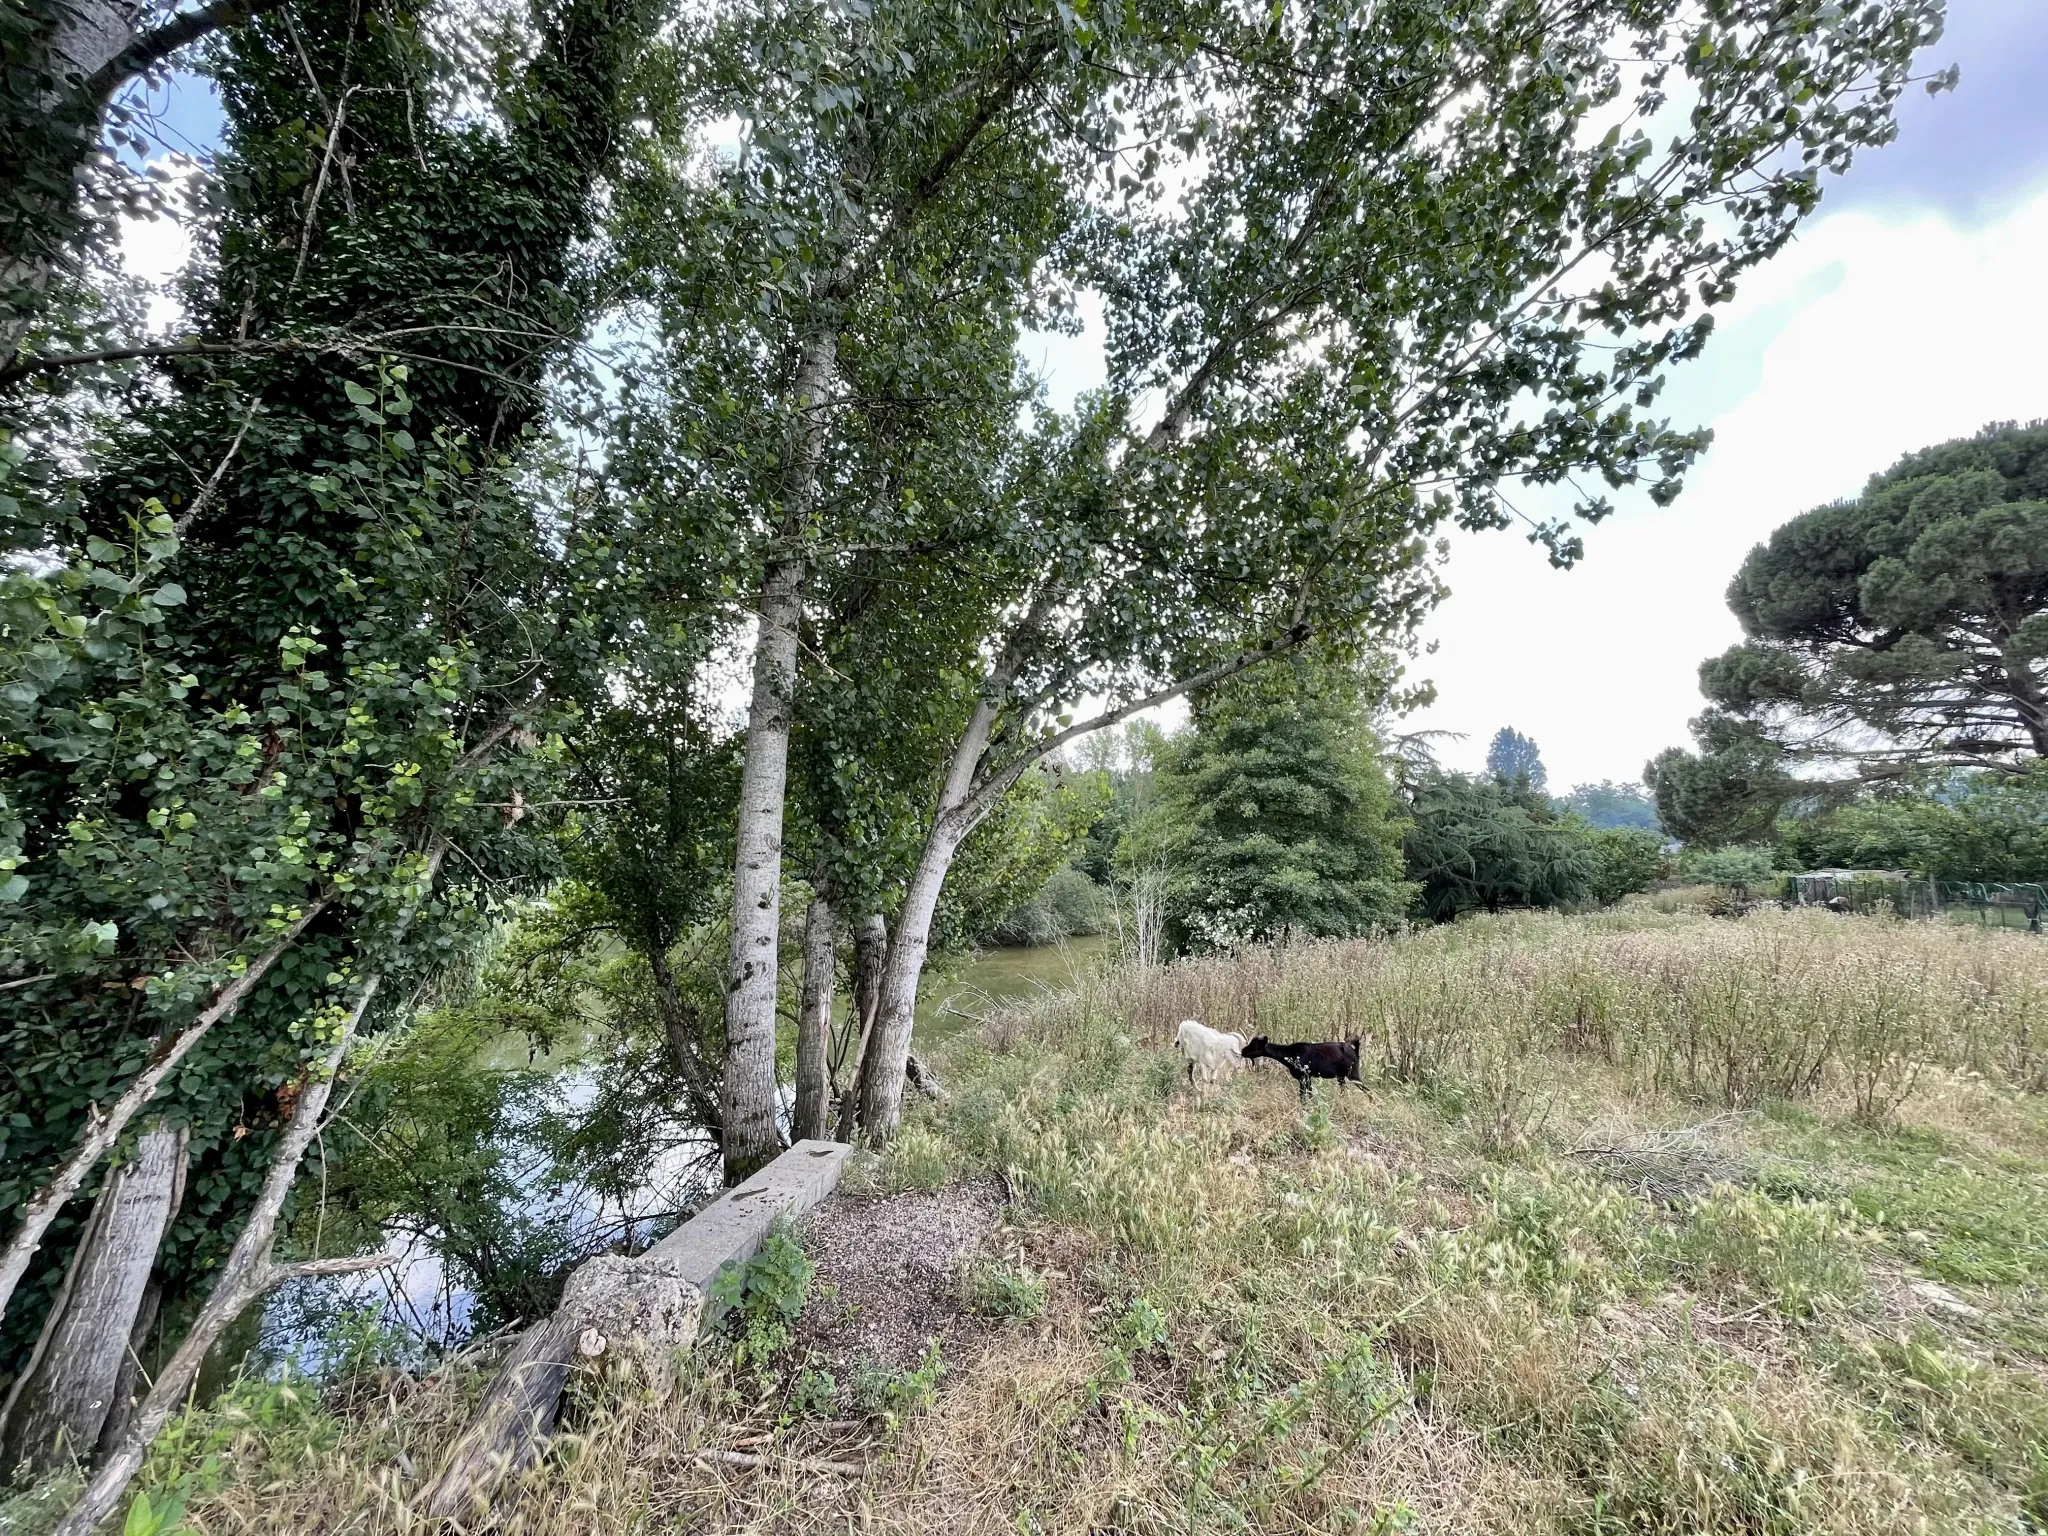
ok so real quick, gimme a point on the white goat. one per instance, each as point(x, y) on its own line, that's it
point(1212, 1055)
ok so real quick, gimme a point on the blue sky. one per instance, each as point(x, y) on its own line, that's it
point(1909, 311)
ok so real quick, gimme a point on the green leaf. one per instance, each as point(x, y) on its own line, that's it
point(357, 393)
point(169, 595)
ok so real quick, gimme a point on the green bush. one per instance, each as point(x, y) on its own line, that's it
point(1068, 905)
point(1741, 868)
point(1625, 860)
point(757, 1304)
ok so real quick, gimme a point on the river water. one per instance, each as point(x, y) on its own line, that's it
point(417, 1305)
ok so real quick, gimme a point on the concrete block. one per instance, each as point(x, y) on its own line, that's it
point(732, 1228)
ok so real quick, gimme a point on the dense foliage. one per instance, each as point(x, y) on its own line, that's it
point(277, 637)
point(1274, 816)
point(1910, 624)
point(1889, 635)
point(1478, 844)
point(1969, 827)
point(1612, 804)
point(1513, 756)
point(323, 649)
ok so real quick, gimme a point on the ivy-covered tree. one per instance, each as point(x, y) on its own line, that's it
point(293, 621)
point(1274, 815)
point(1909, 626)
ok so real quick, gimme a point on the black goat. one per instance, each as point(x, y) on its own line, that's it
point(1336, 1059)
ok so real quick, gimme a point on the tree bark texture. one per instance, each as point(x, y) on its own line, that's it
point(752, 1137)
point(99, 1136)
point(870, 961)
point(128, 1382)
point(814, 1021)
point(247, 1274)
point(62, 1401)
point(76, 43)
point(640, 1309)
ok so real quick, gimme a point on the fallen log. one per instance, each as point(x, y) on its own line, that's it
point(924, 1080)
point(641, 1310)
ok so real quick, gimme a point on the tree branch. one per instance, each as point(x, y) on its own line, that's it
point(992, 788)
point(153, 47)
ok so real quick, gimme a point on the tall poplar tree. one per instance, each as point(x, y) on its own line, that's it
point(1403, 269)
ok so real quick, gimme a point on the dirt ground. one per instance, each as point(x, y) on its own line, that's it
point(888, 1268)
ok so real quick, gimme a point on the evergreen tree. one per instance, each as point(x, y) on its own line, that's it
point(1476, 843)
point(1275, 817)
point(1901, 630)
point(1513, 759)
point(1730, 791)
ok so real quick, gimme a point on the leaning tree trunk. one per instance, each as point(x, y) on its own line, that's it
point(814, 1021)
point(62, 1401)
point(99, 1135)
point(748, 1108)
point(247, 1274)
point(870, 961)
point(888, 1054)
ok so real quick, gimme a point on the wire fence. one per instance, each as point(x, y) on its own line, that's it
point(1991, 903)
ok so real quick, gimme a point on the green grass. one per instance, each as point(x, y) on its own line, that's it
point(1429, 1307)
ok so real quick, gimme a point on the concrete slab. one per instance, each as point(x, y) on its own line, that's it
point(731, 1229)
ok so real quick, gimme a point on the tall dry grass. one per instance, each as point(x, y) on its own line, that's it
point(1418, 1310)
point(1730, 1012)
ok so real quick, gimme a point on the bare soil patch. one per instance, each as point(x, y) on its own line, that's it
point(888, 1273)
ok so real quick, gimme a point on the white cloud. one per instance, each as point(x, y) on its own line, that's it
point(1871, 336)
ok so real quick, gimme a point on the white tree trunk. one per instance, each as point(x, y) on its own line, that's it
point(888, 1054)
point(100, 1135)
point(247, 1274)
point(814, 1021)
point(63, 1399)
point(752, 1137)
